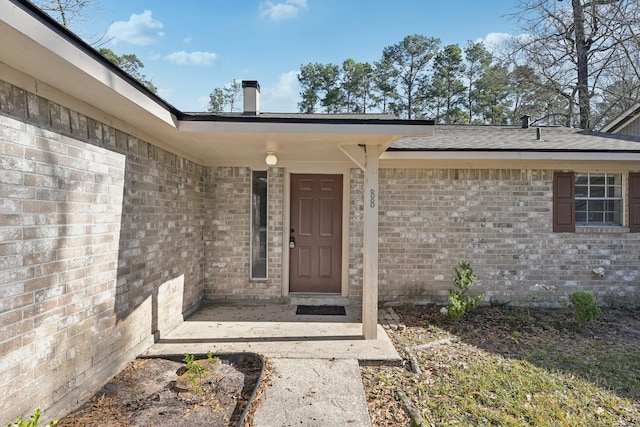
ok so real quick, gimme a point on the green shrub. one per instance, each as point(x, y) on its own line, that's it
point(460, 302)
point(32, 421)
point(584, 307)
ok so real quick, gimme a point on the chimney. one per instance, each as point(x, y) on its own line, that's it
point(525, 121)
point(251, 97)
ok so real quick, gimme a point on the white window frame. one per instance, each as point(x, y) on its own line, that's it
point(607, 197)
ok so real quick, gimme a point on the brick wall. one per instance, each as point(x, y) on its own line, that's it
point(500, 221)
point(100, 249)
point(227, 238)
point(275, 200)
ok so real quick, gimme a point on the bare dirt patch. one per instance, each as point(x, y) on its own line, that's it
point(162, 392)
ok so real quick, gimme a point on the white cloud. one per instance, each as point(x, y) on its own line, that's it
point(202, 59)
point(278, 11)
point(138, 30)
point(165, 93)
point(187, 40)
point(283, 97)
point(495, 41)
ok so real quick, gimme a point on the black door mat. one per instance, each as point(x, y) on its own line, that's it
point(321, 310)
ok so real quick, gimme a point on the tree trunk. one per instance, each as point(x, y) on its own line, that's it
point(582, 49)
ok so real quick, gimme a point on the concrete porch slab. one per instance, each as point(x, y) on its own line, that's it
point(275, 331)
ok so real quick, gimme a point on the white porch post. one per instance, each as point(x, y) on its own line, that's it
point(370, 246)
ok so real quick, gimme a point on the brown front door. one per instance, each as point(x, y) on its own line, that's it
point(316, 230)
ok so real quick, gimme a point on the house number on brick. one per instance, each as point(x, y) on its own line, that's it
point(372, 201)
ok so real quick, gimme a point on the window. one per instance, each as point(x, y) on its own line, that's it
point(594, 199)
point(598, 199)
point(258, 225)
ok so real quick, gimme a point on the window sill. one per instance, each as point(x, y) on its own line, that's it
point(615, 229)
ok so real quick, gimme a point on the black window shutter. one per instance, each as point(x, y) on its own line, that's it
point(564, 204)
point(634, 202)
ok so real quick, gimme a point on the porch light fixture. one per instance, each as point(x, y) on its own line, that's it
point(271, 159)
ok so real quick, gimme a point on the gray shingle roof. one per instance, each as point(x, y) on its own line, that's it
point(516, 138)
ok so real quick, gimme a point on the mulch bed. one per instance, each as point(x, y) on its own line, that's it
point(159, 391)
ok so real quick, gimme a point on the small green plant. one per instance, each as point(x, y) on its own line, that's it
point(584, 307)
point(194, 372)
point(211, 358)
point(192, 367)
point(460, 302)
point(32, 421)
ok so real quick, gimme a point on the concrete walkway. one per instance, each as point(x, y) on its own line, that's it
point(316, 378)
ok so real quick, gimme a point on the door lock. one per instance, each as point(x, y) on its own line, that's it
point(292, 242)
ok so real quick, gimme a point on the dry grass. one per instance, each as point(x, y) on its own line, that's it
point(512, 367)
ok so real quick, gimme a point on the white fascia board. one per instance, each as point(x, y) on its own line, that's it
point(293, 127)
point(509, 155)
point(60, 47)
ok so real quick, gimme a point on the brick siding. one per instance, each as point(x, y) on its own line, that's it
point(501, 222)
point(100, 248)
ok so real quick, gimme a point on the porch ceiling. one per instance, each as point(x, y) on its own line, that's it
point(218, 142)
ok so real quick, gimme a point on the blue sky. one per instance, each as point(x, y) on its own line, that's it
point(190, 47)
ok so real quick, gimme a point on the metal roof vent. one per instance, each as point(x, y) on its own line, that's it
point(525, 121)
point(251, 97)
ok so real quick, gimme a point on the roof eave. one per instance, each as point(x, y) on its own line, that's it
point(622, 120)
point(37, 45)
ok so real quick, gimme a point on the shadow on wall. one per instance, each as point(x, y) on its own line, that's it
point(161, 237)
point(101, 248)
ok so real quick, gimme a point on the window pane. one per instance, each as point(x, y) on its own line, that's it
point(614, 180)
point(582, 191)
point(259, 225)
point(581, 217)
point(614, 191)
point(614, 212)
point(617, 206)
point(582, 179)
point(613, 218)
point(596, 179)
point(595, 217)
point(597, 191)
point(596, 205)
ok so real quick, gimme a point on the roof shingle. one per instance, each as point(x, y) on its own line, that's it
point(516, 138)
